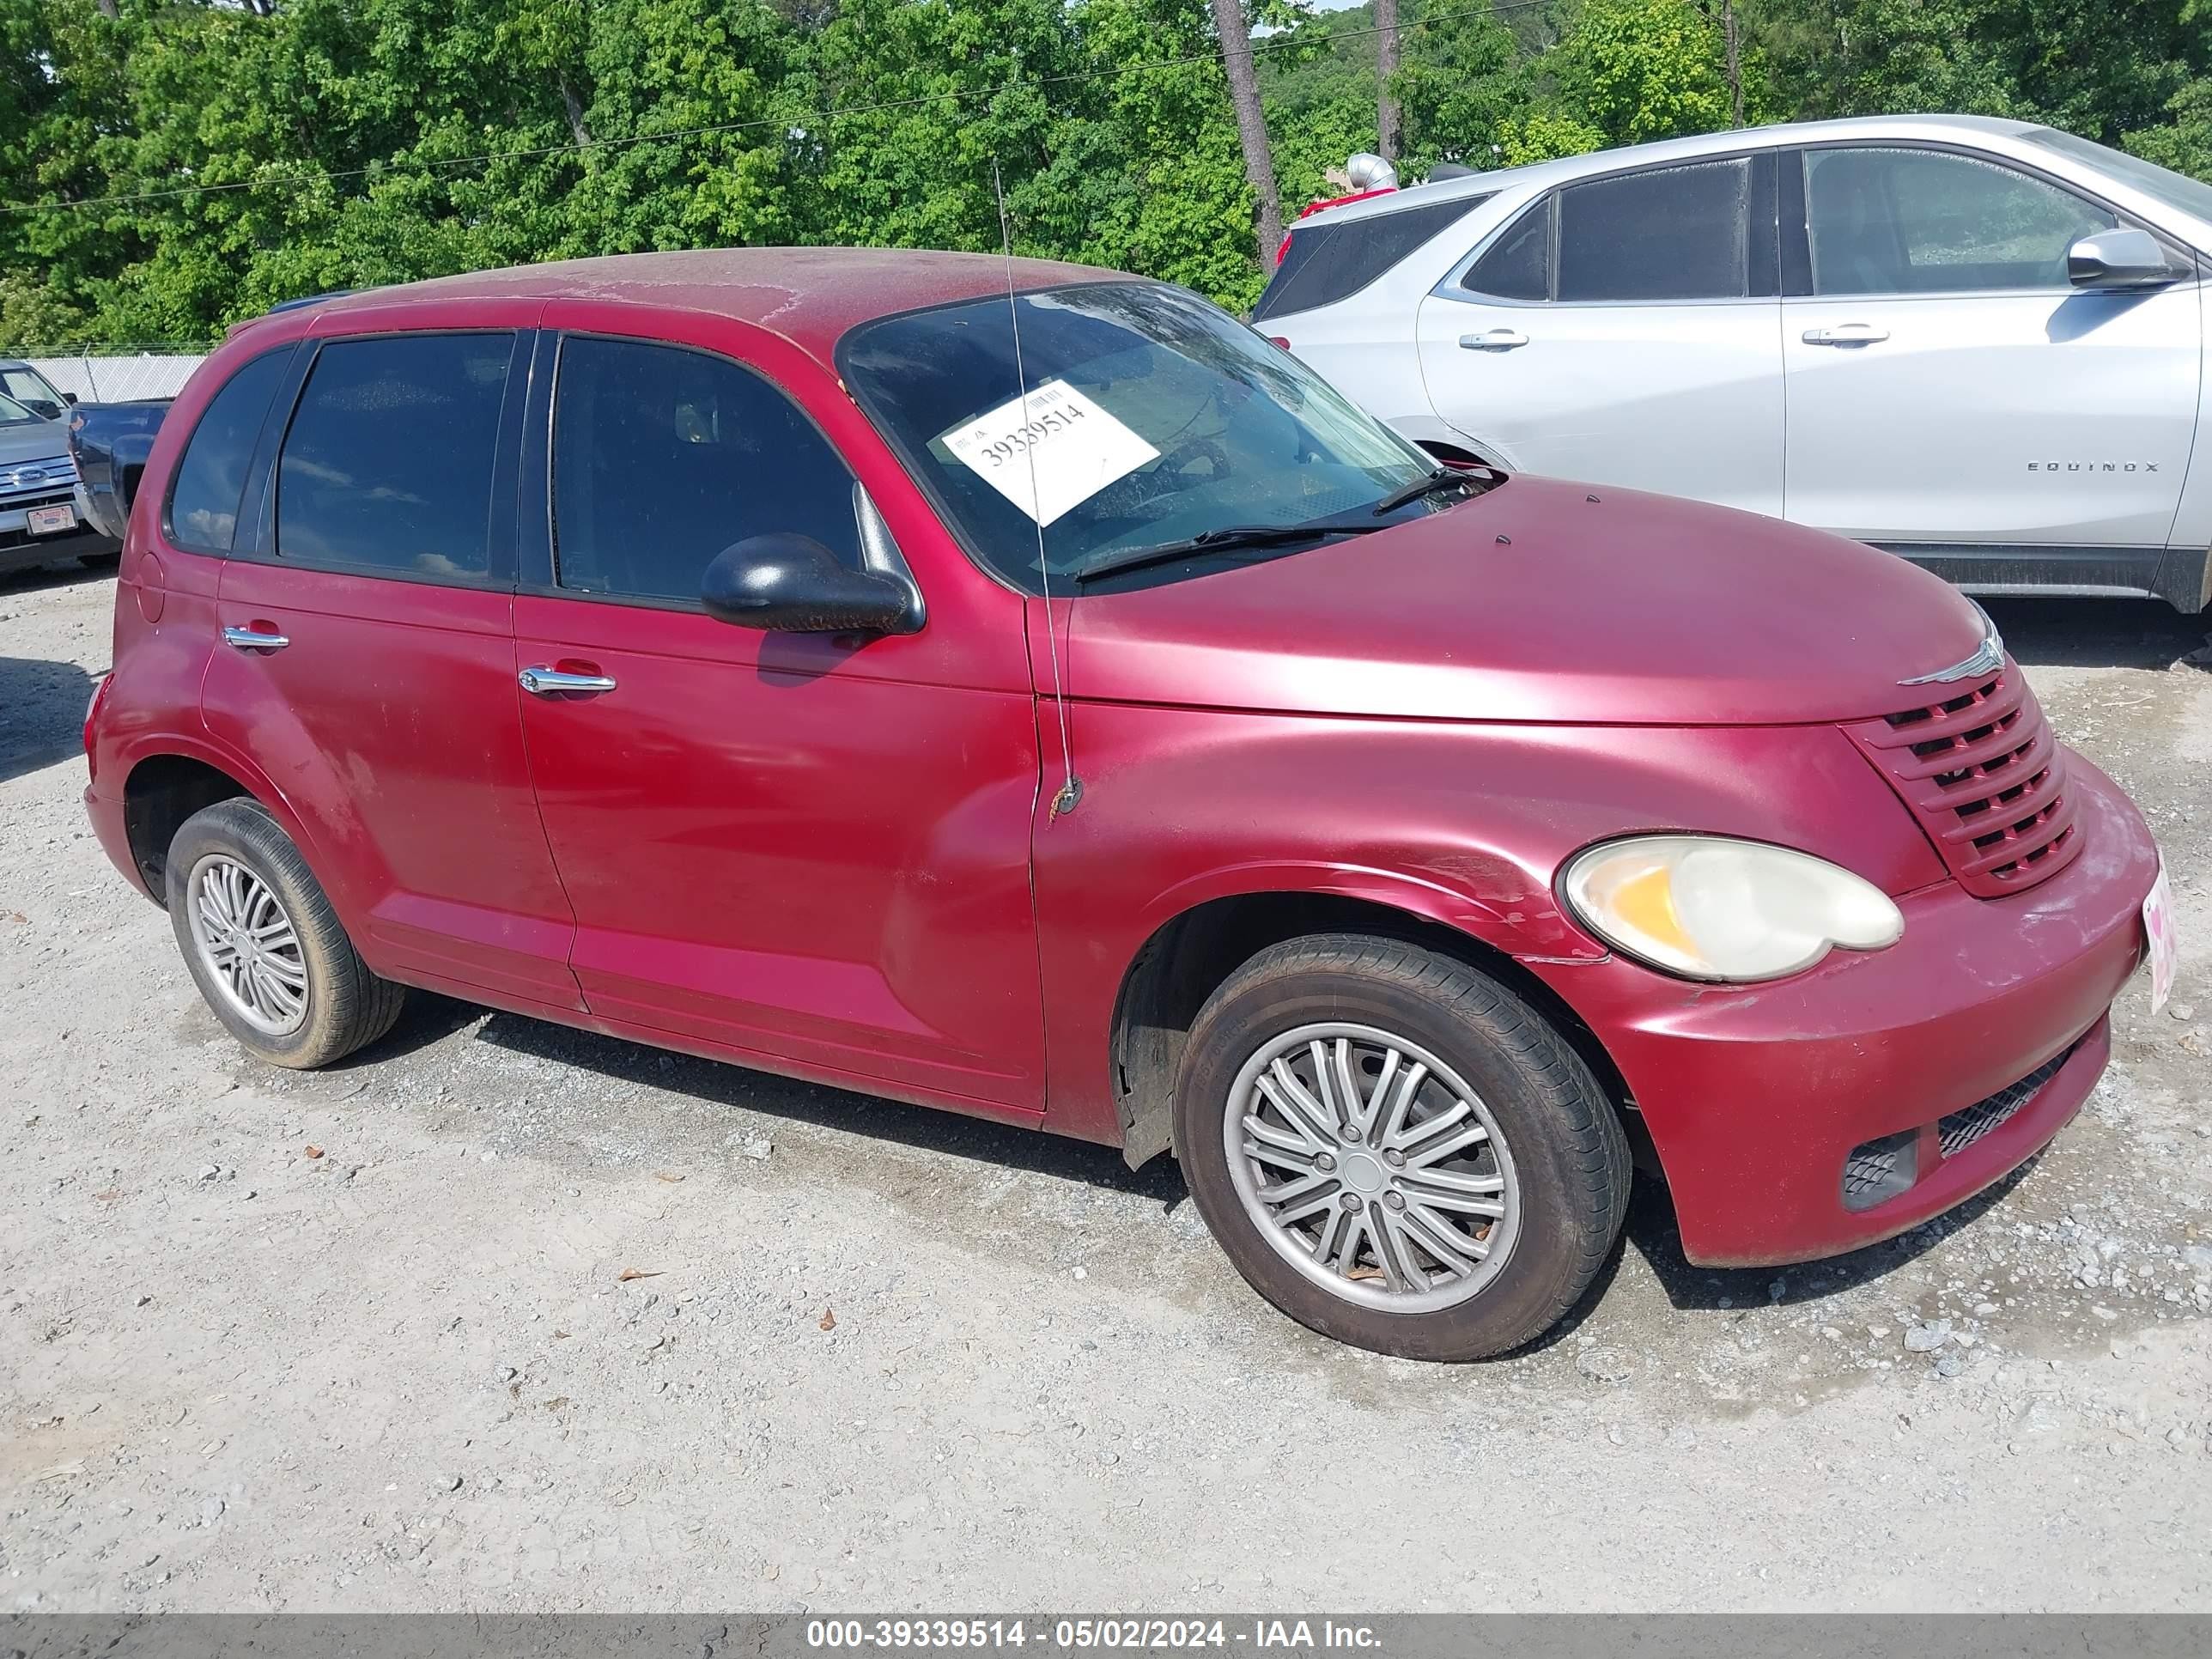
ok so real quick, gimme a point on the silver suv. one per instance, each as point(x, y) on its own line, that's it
point(1976, 342)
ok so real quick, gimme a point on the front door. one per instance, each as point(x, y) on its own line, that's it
point(368, 661)
point(1945, 383)
point(804, 849)
point(1624, 331)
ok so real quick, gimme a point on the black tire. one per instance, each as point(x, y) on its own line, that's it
point(347, 1006)
point(1570, 1157)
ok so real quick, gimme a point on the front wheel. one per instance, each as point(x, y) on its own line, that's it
point(263, 945)
point(1395, 1150)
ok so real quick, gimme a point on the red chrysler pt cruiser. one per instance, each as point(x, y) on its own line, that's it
point(1022, 689)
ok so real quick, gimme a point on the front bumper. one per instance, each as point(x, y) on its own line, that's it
point(1756, 1096)
point(21, 550)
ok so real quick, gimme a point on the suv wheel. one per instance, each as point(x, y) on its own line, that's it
point(263, 945)
point(1396, 1151)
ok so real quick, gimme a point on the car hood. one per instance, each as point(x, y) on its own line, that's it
point(1541, 601)
point(35, 440)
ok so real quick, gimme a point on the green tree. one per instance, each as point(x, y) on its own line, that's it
point(1640, 69)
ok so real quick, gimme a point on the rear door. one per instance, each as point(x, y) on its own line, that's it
point(368, 660)
point(1624, 330)
point(1947, 384)
point(806, 849)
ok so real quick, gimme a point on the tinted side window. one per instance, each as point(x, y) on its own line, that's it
point(663, 456)
point(1923, 222)
point(1330, 259)
point(388, 464)
point(1518, 264)
point(1671, 234)
point(204, 495)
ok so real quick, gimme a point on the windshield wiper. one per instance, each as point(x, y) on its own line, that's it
point(1226, 538)
point(1432, 483)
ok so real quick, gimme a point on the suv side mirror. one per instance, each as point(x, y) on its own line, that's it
point(793, 584)
point(70, 397)
point(2119, 259)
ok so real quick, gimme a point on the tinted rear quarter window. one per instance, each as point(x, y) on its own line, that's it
point(1670, 233)
point(662, 457)
point(204, 499)
point(1331, 260)
point(1518, 264)
point(388, 464)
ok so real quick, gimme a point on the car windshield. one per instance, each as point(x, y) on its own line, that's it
point(22, 384)
point(1150, 417)
point(13, 414)
point(2161, 184)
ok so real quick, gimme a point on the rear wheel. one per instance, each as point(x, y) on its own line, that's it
point(263, 945)
point(1396, 1151)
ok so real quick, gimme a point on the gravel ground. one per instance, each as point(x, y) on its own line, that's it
point(507, 1317)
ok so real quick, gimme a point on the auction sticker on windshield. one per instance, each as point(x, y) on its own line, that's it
point(1048, 451)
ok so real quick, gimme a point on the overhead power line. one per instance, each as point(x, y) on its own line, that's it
point(796, 118)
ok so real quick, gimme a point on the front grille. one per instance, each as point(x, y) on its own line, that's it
point(35, 484)
point(1985, 777)
point(1961, 1129)
point(24, 503)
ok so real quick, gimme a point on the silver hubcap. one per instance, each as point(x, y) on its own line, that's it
point(1371, 1167)
point(248, 945)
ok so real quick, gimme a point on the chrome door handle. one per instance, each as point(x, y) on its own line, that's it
point(1498, 339)
point(1849, 334)
point(249, 639)
point(543, 682)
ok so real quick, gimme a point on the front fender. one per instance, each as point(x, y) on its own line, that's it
point(1457, 823)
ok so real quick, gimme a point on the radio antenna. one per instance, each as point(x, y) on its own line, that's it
point(1070, 788)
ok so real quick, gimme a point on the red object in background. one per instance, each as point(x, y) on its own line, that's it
point(834, 857)
point(1323, 206)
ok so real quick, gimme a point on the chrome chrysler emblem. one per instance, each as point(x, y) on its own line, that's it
point(1988, 658)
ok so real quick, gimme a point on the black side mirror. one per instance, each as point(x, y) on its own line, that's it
point(70, 397)
point(2119, 259)
point(794, 584)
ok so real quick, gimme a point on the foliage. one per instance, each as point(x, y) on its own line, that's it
point(193, 161)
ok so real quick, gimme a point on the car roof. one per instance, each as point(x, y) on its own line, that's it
point(810, 295)
point(1544, 174)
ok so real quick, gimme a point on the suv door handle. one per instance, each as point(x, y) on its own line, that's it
point(254, 639)
point(1847, 334)
point(544, 682)
point(1498, 339)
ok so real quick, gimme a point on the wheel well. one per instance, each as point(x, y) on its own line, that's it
point(159, 795)
point(1187, 960)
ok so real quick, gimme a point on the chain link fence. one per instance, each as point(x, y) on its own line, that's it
point(114, 379)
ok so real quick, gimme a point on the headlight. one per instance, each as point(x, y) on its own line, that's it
point(1707, 908)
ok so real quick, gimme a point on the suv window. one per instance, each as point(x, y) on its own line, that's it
point(662, 457)
point(1669, 233)
point(1332, 259)
point(204, 497)
point(1893, 221)
point(1518, 264)
point(388, 464)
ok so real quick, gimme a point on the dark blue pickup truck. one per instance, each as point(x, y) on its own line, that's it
point(109, 444)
